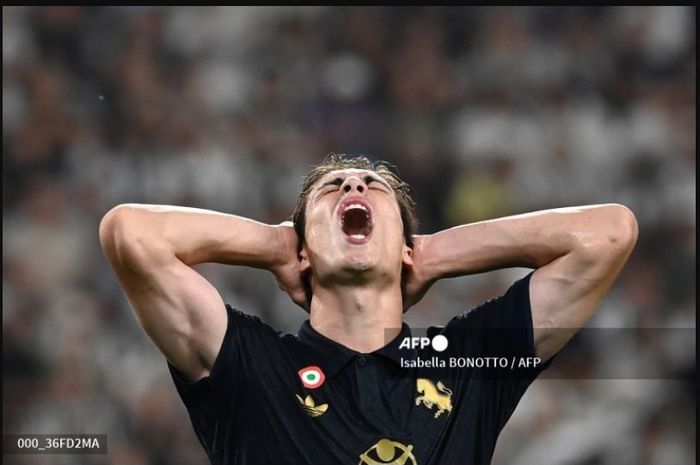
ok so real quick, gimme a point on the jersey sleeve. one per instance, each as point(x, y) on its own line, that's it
point(500, 327)
point(211, 401)
point(498, 333)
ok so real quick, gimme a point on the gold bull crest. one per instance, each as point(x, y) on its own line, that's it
point(431, 394)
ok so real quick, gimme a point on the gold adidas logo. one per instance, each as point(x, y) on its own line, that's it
point(311, 408)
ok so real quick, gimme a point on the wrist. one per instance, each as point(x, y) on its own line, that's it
point(424, 267)
point(285, 242)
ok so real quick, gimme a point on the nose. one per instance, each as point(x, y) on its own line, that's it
point(353, 183)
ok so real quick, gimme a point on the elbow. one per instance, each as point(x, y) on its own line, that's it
point(112, 226)
point(624, 230)
point(614, 233)
point(121, 235)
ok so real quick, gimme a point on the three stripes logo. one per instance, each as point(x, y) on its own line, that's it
point(311, 408)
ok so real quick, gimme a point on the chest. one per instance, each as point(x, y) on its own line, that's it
point(370, 412)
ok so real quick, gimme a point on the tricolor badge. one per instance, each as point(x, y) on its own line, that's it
point(312, 377)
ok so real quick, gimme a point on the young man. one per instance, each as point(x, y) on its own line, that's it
point(345, 390)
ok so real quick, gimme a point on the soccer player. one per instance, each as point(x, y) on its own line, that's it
point(346, 389)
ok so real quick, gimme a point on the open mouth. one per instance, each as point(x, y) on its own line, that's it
point(356, 220)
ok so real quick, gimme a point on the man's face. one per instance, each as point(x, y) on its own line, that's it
point(354, 232)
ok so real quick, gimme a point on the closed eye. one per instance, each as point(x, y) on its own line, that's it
point(337, 182)
point(369, 179)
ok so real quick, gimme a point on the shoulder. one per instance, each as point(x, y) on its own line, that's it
point(511, 309)
point(251, 328)
point(499, 325)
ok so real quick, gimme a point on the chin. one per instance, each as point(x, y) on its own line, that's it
point(360, 264)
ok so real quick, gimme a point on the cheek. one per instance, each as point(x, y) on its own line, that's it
point(317, 227)
point(393, 223)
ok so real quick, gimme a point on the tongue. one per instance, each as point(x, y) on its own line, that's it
point(355, 223)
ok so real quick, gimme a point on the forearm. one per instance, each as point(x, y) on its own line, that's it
point(530, 240)
point(192, 235)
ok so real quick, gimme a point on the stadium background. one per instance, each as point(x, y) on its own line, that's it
point(486, 112)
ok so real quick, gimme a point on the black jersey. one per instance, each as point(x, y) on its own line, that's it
point(274, 398)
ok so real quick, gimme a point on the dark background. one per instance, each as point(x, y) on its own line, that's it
point(486, 112)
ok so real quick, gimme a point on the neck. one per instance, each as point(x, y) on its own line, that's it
point(361, 318)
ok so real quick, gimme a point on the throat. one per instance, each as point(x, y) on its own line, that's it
point(363, 319)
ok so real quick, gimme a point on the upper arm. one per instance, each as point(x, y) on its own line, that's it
point(178, 308)
point(565, 293)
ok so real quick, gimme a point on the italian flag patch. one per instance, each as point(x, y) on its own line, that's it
point(312, 377)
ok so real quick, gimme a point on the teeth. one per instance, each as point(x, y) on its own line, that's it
point(358, 236)
point(355, 205)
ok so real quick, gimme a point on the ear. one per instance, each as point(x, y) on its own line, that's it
point(407, 256)
point(305, 265)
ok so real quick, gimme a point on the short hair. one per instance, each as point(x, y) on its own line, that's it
point(387, 171)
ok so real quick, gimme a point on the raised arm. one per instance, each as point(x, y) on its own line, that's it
point(152, 248)
point(577, 253)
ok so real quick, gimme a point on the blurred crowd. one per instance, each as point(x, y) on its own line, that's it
point(485, 111)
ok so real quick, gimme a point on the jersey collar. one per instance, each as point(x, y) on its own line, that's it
point(332, 356)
